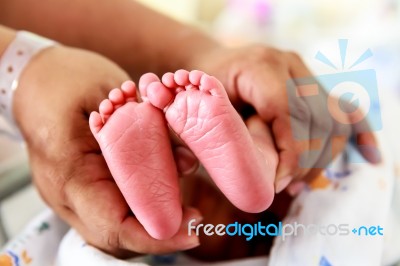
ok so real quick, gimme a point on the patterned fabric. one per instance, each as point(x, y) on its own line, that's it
point(356, 207)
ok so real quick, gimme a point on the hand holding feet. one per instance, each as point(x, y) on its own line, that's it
point(134, 140)
point(198, 110)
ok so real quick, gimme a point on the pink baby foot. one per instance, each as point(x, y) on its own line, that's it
point(197, 108)
point(135, 143)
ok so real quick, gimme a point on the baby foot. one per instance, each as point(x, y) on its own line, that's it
point(198, 110)
point(134, 140)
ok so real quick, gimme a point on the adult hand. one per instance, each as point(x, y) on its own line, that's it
point(258, 76)
point(56, 93)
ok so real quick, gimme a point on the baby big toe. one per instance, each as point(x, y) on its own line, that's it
point(159, 95)
point(212, 85)
point(145, 81)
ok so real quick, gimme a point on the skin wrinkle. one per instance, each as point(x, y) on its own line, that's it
point(161, 191)
point(155, 184)
point(189, 114)
point(49, 174)
point(139, 157)
point(122, 134)
point(177, 115)
point(199, 139)
point(217, 143)
point(151, 140)
point(215, 157)
point(200, 124)
point(71, 188)
point(197, 106)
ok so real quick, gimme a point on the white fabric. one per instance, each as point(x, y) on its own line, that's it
point(365, 195)
point(47, 242)
point(38, 244)
point(84, 254)
point(74, 251)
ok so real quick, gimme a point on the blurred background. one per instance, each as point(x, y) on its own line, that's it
point(305, 27)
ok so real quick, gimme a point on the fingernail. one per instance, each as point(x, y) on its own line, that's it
point(191, 170)
point(197, 219)
point(283, 183)
point(295, 188)
point(375, 157)
point(194, 242)
point(191, 239)
point(192, 216)
point(372, 154)
point(186, 241)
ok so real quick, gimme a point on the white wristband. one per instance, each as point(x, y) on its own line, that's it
point(12, 63)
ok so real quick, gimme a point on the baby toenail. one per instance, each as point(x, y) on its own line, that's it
point(178, 90)
point(191, 87)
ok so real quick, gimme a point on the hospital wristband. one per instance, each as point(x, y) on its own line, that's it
point(12, 63)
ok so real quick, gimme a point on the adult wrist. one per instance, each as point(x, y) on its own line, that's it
point(13, 62)
point(7, 35)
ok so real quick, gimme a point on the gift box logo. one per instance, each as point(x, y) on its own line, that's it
point(335, 105)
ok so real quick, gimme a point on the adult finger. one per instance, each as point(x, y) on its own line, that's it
point(265, 89)
point(363, 137)
point(289, 152)
point(368, 147)
point(263, 139)
point(107, 222)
